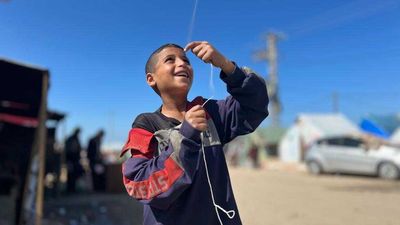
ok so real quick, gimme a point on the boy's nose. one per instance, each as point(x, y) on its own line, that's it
point(180, 62)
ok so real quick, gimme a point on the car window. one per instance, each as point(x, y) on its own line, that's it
point(341, 141)
point(335, 141)
point(350, 142)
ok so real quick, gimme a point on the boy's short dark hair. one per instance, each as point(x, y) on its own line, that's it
point(151, 60)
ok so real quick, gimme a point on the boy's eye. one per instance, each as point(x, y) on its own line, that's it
point(169, 59)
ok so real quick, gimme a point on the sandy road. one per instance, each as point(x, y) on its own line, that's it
point(290, 197)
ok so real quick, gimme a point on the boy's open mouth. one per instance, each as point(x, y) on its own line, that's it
point(182, 74)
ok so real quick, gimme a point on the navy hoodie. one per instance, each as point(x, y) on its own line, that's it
point(167, 171)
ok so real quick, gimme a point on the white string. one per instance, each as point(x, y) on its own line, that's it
point(211, 81)
point(230, 213)
point(191, 27)
point(207, 101)
point(210, 85)
point(189, 38)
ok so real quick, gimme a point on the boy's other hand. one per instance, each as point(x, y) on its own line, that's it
point(196, 117)
point(206, 52)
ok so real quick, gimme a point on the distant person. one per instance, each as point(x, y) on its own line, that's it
point(53, 162)
point(73, 156)
point(166, 170)
point(96, 161)
point(232, 151)
point(253, 156)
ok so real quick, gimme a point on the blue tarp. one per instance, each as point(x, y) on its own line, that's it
point(370, 127)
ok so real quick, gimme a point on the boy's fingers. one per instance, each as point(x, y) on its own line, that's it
point(197, 49)
point(202, 53)
point(195, 108)
point(200, 125)
point(194, 44)
point(207, 57)
point(200, 121)
point(198, 113)
point(203, 50)
point(191, 45)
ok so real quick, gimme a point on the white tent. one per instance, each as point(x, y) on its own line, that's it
point(310, 127)
point(395, 138)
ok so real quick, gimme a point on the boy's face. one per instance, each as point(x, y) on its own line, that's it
point(172, 73)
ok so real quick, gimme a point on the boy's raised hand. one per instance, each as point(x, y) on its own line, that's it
point(196, 117)
point(206, 52)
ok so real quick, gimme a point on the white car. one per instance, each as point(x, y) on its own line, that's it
point(351, 155)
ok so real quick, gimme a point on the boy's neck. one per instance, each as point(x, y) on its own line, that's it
point(174, 107)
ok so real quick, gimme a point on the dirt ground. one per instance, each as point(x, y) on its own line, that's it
point(279, 193)
point(286, 194)
point(93, 209)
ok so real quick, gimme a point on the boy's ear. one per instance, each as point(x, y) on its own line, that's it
point(150, 80)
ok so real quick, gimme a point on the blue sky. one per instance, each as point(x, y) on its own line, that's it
point(96, 51)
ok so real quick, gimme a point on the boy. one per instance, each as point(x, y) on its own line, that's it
point(178, 167)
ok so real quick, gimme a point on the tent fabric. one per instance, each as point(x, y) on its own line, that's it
point(372, 128)
point(330, 124)
point(309, 128)
point(395, 138)
point(388, 122)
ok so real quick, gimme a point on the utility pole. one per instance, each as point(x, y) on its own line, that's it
point(270, 55)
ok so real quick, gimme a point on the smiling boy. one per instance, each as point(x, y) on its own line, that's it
point(177, 167)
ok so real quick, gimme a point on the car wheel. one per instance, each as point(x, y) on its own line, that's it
point(388, 171)
point(314, 167)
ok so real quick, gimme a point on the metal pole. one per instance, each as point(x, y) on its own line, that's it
point(42, 135)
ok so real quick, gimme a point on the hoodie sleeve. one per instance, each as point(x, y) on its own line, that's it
point(159, 180)
point(246, 107)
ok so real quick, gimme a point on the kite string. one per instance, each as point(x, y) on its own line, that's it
point(230, 213)
point(191, 26)
point(211, 86)
point(189, 39)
